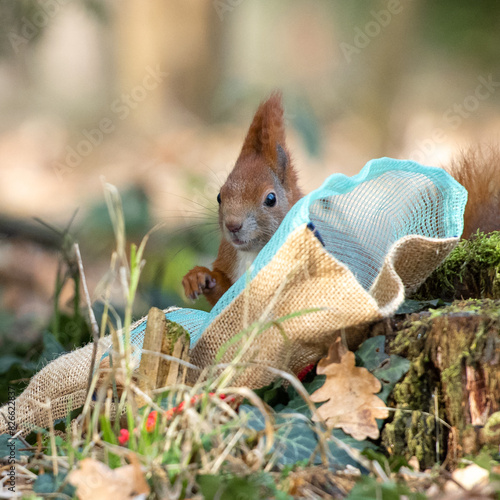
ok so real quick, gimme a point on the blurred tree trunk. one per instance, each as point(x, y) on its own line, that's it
point(388, 65)
point(177, 41)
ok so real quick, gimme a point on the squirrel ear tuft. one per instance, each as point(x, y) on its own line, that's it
point(266, 135)
point(282, 157)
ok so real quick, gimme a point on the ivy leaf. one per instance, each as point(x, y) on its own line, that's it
point(372, 354)
point(9, 445)
point(339, 456)
point(410, 306)
point(48, 483)
point(9, 360)
point(390, 373)
point(295, 439)
point(52, 348)
point(273, 393)
point(297, 403)
point(388, 369)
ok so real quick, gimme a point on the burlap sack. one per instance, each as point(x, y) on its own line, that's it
point(304, 276)
point(384, 230)
point(301, 277)
point(57, 389)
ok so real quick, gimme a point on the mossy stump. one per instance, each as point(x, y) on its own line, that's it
point(472, 270)
point(163, 341)
point(449, 401)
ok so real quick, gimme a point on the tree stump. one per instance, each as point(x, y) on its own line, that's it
point(161, 337)
point(449, 401)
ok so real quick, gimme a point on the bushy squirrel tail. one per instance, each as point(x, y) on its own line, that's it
point(478, 170)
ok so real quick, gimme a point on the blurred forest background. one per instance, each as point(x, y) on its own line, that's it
point(155, 97)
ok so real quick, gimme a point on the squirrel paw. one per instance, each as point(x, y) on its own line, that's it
point(198, 281)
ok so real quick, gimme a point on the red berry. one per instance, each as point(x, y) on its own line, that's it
point(123, 437)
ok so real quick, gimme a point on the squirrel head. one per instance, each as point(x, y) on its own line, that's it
point(262, 187)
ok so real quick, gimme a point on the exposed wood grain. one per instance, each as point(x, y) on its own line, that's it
point(149, 366)
point(177, 372)
point(455, 371)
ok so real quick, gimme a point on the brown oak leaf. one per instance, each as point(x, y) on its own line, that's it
point(351, 404)
point(335, 352)
point(96, 481)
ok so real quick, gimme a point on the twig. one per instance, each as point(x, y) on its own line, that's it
point(25, 471)
point(436, 422)
point(167, 357)
point(93, 321)
point(223, 456)
point(53, 448)
point(19, 436)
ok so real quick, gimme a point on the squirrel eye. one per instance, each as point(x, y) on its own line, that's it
point(218, 198)
point(270, 200)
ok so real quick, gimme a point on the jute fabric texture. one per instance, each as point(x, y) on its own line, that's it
point(346, 254)
point(319, 295)
point(293, 308)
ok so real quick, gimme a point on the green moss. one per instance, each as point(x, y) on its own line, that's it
point(451, 378)
point(463, 333)
point(492, 428)
point(415, 433)
point(409, 342)
point(473, 325)
point(422, 437)
point(471, 270)
point(412, 431)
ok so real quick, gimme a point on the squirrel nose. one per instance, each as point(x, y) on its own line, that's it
point(233, 227)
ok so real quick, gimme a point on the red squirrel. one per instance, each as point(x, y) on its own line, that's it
point(478, 170)
point(263, 186)
point(253, 201)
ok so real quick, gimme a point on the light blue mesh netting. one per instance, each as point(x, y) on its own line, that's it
point(357, 219)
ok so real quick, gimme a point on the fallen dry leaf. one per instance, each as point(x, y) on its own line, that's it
point(96, 481)
point(351, 402)
point(470, 483)
point(468, 477)
point(320, 483)
point(413, 462)
point(335, 352)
